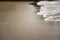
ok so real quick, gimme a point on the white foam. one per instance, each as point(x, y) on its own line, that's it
point(49, 9)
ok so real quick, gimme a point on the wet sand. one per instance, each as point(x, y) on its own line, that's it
point(18, 21)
